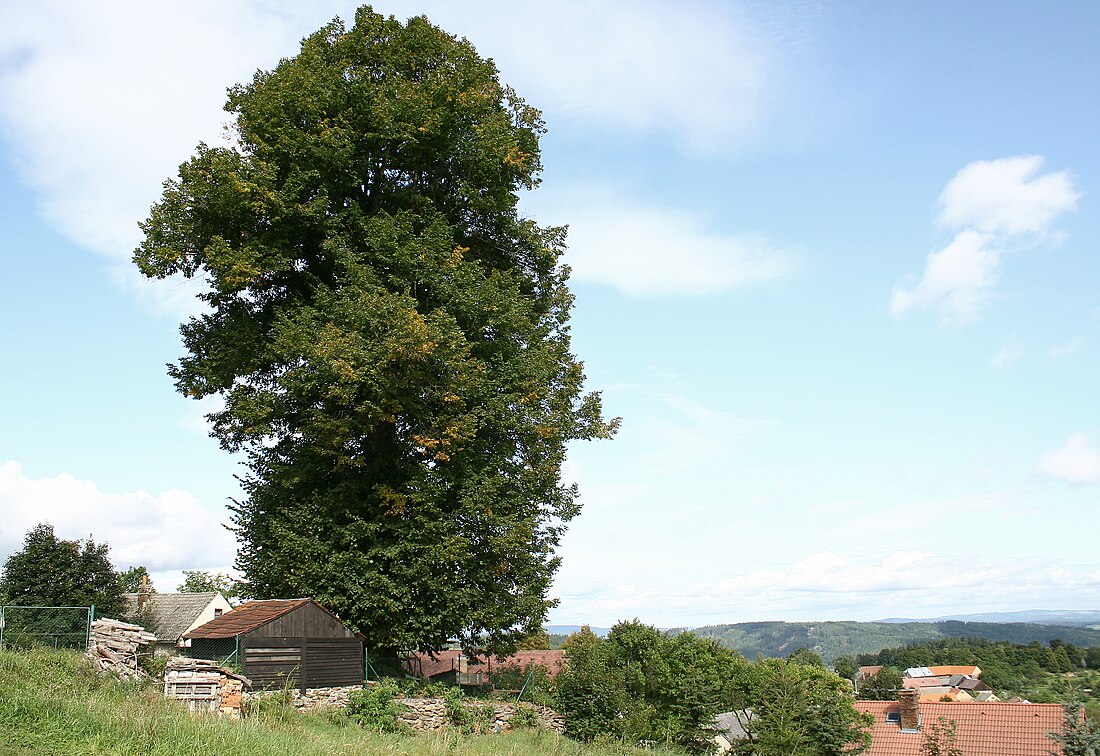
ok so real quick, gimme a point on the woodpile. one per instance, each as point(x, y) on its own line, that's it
point(114, 646)
point(203, 685)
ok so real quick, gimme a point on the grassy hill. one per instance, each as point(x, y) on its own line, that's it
point(51, 702)
point(832, 639)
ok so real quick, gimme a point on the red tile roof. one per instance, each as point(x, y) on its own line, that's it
point(245, 617)
point(925, 682)
point(444, 661)
point(984, 729)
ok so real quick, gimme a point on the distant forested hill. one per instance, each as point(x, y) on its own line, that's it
point(832, 639)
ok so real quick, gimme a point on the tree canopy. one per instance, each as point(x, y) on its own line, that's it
point(50, 571)
point(787, 707)
point(389, 335)
point(198, 581)
point(641, 685)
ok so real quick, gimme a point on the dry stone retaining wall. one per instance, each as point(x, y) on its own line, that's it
point(423, 714)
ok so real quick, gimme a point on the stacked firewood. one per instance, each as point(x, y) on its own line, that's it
point(114, 647)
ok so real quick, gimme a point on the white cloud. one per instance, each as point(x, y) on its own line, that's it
point(103, 101)
point(1007, 357)
point(165, 531)
point(1007, 196)
point(991, 202)
point(958, 280)
point(626, 65)
point(646, 251)
point(1076, 462)
point(1064, 350)
point(829, 586)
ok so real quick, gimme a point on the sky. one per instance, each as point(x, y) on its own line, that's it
point(835, 265)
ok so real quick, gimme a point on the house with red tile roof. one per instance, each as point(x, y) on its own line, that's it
point(955, 669)
point(982, 729)
point(460, 668)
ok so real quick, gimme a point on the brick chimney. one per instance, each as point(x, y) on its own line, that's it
point(143, 593)
point(909, 706)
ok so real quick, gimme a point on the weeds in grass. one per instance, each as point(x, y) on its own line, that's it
point(52, 702)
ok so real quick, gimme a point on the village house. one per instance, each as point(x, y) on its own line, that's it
point(990, 729)
point(947, 683)
point(458, 668)
point(174, 614)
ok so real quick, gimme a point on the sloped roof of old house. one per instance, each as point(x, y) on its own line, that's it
point(869, 671)
point(989, 729)
point(172, 613)
point(246, 617)
point(956, 669)
point(444, 661)
point(924, 682)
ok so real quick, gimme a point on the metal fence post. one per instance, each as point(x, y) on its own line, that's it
point(1, 626)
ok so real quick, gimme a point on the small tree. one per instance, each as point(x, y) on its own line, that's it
point(845, 666)
point(882, 687)
point(940, 739)
point(795, 708)
point(197, 581)
point(590, 688)
point(136, 580)
point(805, 656)
point(1079, 736)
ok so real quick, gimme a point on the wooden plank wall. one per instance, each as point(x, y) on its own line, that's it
point(306, 648)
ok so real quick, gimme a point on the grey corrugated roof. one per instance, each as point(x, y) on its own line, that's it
point(172, 613)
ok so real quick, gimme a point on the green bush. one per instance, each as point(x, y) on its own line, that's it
point(375, 709)
point(525, 717)
point(470, 720)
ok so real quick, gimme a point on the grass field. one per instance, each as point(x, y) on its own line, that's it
point(51, 702)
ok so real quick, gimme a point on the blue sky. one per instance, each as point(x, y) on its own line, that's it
point(836, 266)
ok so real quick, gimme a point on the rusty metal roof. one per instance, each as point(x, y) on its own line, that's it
point(245, 618)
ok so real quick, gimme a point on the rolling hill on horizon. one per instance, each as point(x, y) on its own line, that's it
point(832, 639)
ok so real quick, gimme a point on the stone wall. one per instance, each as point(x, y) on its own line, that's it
point(423, 714)
point(426, 714)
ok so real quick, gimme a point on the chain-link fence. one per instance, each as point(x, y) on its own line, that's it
point(45, 626)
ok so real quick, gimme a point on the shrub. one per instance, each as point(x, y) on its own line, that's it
point(376, 710)
point(470, 720)
point(525, 717)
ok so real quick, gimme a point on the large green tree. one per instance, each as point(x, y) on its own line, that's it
point(388, 333)
point(50, 571)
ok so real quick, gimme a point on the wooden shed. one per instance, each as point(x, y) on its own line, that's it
point(284, 642)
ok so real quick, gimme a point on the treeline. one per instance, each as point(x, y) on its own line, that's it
point(831, 640)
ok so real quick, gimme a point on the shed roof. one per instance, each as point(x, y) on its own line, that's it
point(246, 617)
point(989, 729)
point(172, 613)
